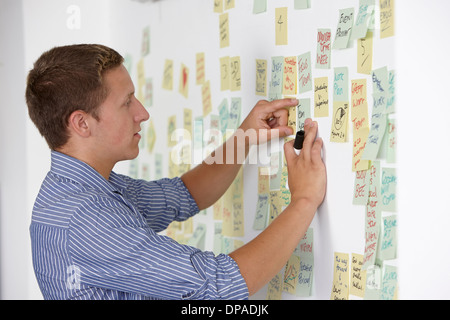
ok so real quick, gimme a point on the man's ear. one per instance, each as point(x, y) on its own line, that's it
point(79, 123)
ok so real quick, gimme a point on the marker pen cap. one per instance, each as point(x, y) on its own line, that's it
point(298, 143)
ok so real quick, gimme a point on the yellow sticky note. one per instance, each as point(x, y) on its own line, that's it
point(365, 53)
point(321, 97)
point(184, 81)
point(340, 288)
point(229, 4)
point(151, 136)
point(387, 18)
point(275, 288)
point(275, 204)
point(225, 77)
point(167, 82)
point(281, 30)
point(218, 6)
point(206, 98)
point(292, 118)
point(358, 277)
point(235, 69)
point(340, 122)
point(291, 274)
point(141, 80)
point(263, 179)
point(200, 68)
point(290, 76)
point(224, 30)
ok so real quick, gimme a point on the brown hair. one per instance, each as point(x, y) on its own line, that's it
point(63, 80)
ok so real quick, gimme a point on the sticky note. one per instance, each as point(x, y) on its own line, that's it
point(358, 276)
point(321, 97)
point(281, 30)
point(262, 209)
point(224, 30)
point(387, 18)
point(340, 84)
point(218, 6)
point(167, 82)
point(277, 71)
point(344, 29)
point(261, 77)
point(235, 73)
point(389, 190)
point(224, 115)
point(388, 242)
point(259, 6)
point(200, 68)
point(339, 122)
point(206, 98)
point(359, 117)
point(364, 16)
point(323, 57)
point(373, 283)
point(145, 45)
point(365, 54)
point(391, 145)
point(151, 136)
point(304, 73)
point(275, 287)
point(184, 81)
point(361, 187)
point(303, 112)
point(302, 4)
point(290, 76)
point(340, 285)
point(148, 93)
point(371, 234)
point(389, 283)
point(235, 113)
point(291, 274)
point(225, 73)
point(171, 127)
point(275, 205)
point(390, 105)
point(306, 271)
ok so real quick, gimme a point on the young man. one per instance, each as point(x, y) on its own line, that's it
point(95, 233)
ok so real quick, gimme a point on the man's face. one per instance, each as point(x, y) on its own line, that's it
point(120, 116)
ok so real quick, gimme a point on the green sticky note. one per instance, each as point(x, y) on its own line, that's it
point(389, 190)
point(259, 6)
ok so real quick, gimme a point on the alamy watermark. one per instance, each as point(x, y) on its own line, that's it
point(209, 146)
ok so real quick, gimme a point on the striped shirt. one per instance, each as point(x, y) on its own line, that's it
point(94, 238)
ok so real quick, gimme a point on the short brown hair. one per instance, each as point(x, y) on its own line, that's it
point(63, 80)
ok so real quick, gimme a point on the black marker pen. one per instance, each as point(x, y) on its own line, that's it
point(298, 144)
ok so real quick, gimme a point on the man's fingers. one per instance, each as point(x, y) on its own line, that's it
point(310, 136)
point(282, 103)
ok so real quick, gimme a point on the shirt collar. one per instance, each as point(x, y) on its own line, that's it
point(82, 173)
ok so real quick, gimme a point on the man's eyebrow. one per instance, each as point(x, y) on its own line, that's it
point(128, 96)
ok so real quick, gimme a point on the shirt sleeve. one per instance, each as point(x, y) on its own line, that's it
point(161, 201)
point(116, 250)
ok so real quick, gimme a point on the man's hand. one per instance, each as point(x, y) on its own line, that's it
point(268, 120)
point(306, 172)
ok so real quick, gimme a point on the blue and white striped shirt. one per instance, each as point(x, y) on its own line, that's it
point(94, 238)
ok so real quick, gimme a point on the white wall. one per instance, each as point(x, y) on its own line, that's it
point(423, 148)
point(28, 28)
point(14, 249)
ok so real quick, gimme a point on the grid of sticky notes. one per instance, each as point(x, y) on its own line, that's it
point(331, 94)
